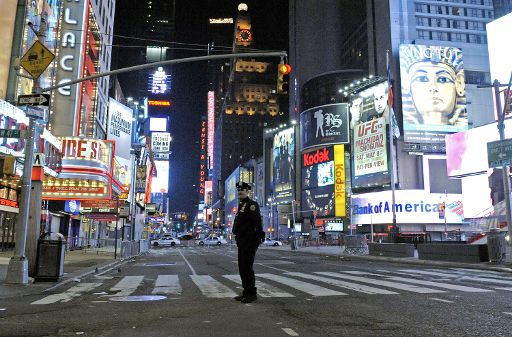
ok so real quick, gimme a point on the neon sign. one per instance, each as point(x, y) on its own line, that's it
point(159, 82)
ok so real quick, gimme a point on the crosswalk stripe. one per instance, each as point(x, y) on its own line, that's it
point(309, 288)
point(167, 284)
point(343, 284)
point(212, 288)
point(264, 290)
point(127, 285)
point(442, 285)
point(460, 277)
point(395, 285)
point(69, 294)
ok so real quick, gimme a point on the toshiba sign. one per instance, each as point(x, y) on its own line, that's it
point(316, 157)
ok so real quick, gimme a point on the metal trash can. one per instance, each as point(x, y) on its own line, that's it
point(496, 246)
point(50, 257)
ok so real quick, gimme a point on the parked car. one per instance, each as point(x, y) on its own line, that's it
point(270, 242)
point(212, 241)
point(166, 241)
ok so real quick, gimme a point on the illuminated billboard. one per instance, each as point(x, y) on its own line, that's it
point(211, 125)
point(324, 125)
point(120, 127)
point(159, 82)
point(283, 168)
point(160, 141)
point(160, 182)
point(433, 92)
point(157, 124)
point(370, 154)
point(318, 181)
point(499, 52)
point(8, 10)
point(370, 104)
point(466, 152)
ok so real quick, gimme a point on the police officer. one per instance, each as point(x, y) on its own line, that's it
point(249, 234)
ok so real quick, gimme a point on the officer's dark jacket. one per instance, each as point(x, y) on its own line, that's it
point(247, 225)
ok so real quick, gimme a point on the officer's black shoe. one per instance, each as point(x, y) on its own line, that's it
point(238, 298)
point(249, 299)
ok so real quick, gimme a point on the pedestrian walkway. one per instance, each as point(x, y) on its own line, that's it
point(339, 252)
point(76, 263)
point(285, 285)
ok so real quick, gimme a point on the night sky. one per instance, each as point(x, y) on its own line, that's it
point(270, 31)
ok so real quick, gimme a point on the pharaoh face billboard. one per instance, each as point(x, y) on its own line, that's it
point(324, 125)
point(283, 165)
point(433, 92)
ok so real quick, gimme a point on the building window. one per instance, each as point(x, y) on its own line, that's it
point(476, 77)
point(422, 21)
point(456, 11)
point(457, 37)
point(423, 34)
point(421, 8)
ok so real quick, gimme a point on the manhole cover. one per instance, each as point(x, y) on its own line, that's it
point(143, 298)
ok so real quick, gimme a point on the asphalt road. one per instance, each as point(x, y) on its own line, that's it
point(188, 292)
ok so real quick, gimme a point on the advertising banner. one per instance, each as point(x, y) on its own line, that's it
point(140, 182)
point(160, 182)
point(324, 125)
point(411, 206)
point(120, 127)
point(283, 158)
point(160, 141)
point(433, 92)
point(370, 152)
point(318, 194)
point(340, 194)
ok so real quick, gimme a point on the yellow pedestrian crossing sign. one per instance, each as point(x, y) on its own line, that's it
point(37, 59)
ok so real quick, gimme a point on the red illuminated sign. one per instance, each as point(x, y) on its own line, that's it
point(9, 203)
point(202, 158)
point(153, 102)
point(320, 156)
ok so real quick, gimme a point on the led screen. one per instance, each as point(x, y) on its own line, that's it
point(433, 92)
point(160, 183)
point(283, 169)
point(334, 226)
point(324, 125)
point(157, 124)
point(325, 173)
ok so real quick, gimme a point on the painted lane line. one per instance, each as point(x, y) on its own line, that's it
point(507, 313)
point(343, 284)
point(309, 288)
point(503, 288)
point(290, 332)
point(68, 295)
point(167, 284)
point(442, 285)
point(264, 290)
point(212, 288)
point(439, 300)
point(126, 286)
point(428, 273)
point(384, 283)
point(186, 261)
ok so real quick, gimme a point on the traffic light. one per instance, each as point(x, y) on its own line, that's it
point(283, 77)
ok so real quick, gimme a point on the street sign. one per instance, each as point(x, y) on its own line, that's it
point(499, 153)
point(160, 156)
point(37, 59)
point(12, 133)
point(38, 160)
point(34, 99)
point(124, 211)
point(37, 113)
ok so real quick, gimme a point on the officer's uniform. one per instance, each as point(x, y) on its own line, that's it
point(248, 235)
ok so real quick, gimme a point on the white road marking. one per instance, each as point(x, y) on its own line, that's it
point(343, 284)
point(395, 285)
point(442, 285)
point(126, 286)
point(68, 295)
point(460, 277)
point(290, 332)
point(186, 261)
point(309, 288)
point(439, 300)
point(167, 284)
point(503, 288)
point(507, 313)
point(212, 288)
point(264, 290)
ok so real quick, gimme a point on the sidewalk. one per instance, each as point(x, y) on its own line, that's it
point(338, 252)
point(77, 263)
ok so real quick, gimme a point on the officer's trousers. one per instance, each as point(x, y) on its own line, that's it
point(246, 255)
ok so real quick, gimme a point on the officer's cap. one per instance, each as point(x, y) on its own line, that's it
point(243, 186)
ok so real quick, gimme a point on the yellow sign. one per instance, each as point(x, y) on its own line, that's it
point(37, 59)
point(339, 181)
